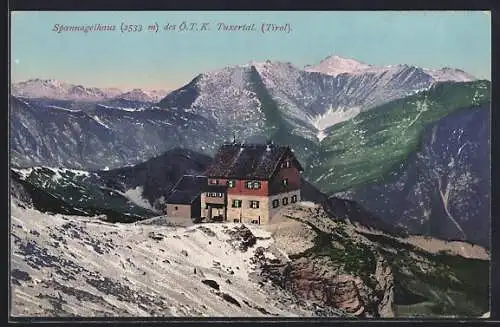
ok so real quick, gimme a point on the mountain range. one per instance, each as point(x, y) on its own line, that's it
point(335, 65)
point(395, 201)
point(360, 131)
point(59, 90)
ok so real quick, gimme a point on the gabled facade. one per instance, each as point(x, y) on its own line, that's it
point(250, 183)
point(184, 198)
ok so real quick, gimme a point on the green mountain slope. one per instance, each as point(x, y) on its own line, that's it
point(366, 147)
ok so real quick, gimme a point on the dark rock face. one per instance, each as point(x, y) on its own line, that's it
point(212, 283)
point(20, 275)
point(339, 208)
point(349, 210)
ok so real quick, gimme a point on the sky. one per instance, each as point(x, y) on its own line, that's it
point(170, 59)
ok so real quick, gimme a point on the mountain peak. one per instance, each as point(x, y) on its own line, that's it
point(450, 74)
point(336, 65)
point(141, 95)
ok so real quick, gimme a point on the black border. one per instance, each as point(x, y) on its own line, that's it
point(251, 5)
point(121, 5)
point(495, 174)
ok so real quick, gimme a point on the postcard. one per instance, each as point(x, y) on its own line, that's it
point(250, 164)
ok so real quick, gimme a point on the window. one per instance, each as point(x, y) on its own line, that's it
point(213, 181)
point(254, 204)
point(285, 201)
point(294, 198)
point(284, 181)
point(236, 203)
point(215, 195)
point(252, 184)
point(276, 203)
point(287, 164)
point(231, 183)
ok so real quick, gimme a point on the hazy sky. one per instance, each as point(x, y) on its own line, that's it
point(167, 60)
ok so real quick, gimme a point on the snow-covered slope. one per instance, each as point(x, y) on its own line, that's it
point(76, 266)
point(303, 264)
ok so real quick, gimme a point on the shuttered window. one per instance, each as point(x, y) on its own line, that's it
point(254, 204)
point(252, 185)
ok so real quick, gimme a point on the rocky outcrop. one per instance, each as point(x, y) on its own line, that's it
point(241, 238)
point(19, 193)
point(319, 281)
point(385, 287)
point(338, 269)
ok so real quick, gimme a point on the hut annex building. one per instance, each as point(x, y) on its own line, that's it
point(245, 183)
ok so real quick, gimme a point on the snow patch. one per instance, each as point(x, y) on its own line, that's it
point(135, 196)
point(100, 122)
point(335, 65)
point(122, 108)
point(308, 204)
point(331, 117)
point(64, 109)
